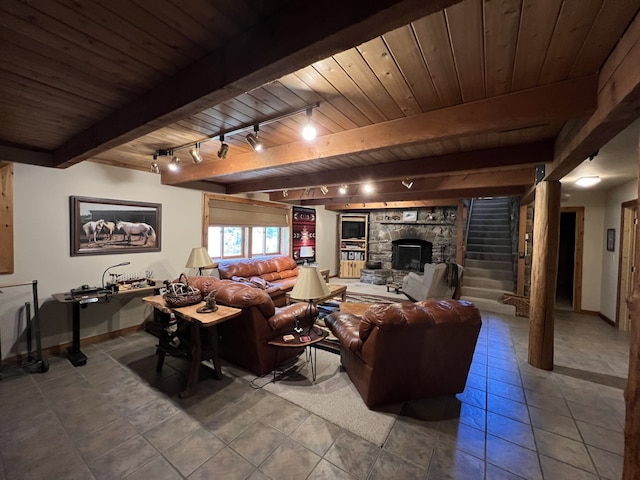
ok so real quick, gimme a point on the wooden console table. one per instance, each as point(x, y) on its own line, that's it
point(334, 291)
point(203, 342)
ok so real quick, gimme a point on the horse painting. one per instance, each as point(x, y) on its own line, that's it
point(142, 229)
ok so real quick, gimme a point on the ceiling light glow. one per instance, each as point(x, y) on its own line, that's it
point(587, 181)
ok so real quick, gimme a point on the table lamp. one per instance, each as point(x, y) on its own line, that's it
point(199, 258)
point(309, 286)
point(306, 252)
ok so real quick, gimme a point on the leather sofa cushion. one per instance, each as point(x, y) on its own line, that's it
point(345, 327)
point(235, 294)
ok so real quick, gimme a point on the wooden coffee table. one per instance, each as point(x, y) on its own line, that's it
point(356, 308)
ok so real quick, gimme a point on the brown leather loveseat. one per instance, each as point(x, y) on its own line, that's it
point(276, 274)
point(244, 340)
point(405, 351)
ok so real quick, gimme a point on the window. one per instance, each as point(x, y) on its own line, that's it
point(233, 242)
point(265, 240)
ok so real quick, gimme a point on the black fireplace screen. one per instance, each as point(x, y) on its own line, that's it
point(411, 254)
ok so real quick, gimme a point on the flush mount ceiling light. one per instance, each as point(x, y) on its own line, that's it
point(175, 162)
point(343, 189)
point(407, 184)
point(309, 132)
point(587, 181)
point(224, 148)
point(252, 139)
point(324, 189)
point(195, 153)
point(367, 188)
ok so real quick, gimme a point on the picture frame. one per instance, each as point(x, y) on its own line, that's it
point(101, 226)
point(611, 239)
point(410, 216)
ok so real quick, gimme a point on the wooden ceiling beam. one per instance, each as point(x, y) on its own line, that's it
point(513, 111)
point(512, 155)
point(523, 176)
point(618, 107)
point(441, 202)
point(260, 55)
point(510, 190)
point(24, 155)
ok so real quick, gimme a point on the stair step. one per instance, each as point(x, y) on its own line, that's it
point(482, 233)
point(491, 214)
point(479, 292)
point(488, 264)
point(488, 241)
point(494, 257)
point(488, 284)
point(489, 224)
point(488, 273)
point(492, 306)
point(478, 247)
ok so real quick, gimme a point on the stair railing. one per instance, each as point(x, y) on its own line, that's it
point(465, 235)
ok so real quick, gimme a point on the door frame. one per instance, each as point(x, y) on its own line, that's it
point(629, 205)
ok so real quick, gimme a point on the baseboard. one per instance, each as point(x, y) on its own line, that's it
point(606, 319)
point(62, 348)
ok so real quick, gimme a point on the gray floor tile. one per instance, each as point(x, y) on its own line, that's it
point(492, 472)
point(448, 463)
point(123, 459)
point(105, 439)
point(508, 408)
point(388, 465)
point(513, 458)
point(414, 446)
point(225, 464)
point(150, 415)
point(511, 430)
point(81, 424)
point(157, 469)
point(554, 423)
point(316, 434)
point(552, 468)
point(171, 430)
point(456, 435)
point(507, 390)
point(327, 471)
point(544, 401)
point(609, 465)
point(192, 451)
point(353, 454)
point(231, 422)
point(602, 438)
point(563, 449)
point(257, 442)
point(290, 461)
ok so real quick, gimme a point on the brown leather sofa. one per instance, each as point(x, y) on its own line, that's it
point(244, 340)
point(406, 351)
point(276, 274)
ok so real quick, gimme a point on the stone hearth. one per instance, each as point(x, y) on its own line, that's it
point(378, 276)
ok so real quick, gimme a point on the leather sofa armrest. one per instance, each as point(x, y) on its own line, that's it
point(285, 317)
point(345, 326)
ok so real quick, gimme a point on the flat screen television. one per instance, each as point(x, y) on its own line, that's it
point(353, 229)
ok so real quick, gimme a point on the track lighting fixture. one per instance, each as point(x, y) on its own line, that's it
point(309, 132)
point(224, 148)
point(285, 193)
point(307, 191)
point(252, 139)
point(343, 189)
point(154, 164)
point(195, 153)
point(368, 188)
point(407, 184)
point(175, 162)
point(324, 189)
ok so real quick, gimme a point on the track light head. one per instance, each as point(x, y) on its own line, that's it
point(309, 132)
point(154, 164)
point(324, 189)
point(252, 139)
point(195, 153)
point(224, 148)
point(285, 193)
point(407, 184)
point(343, 189)
point(175, 162)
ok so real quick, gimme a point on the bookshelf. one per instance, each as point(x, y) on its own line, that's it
point(353, 244)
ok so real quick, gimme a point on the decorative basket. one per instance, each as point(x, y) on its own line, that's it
point(181, 294)
point(521, 303)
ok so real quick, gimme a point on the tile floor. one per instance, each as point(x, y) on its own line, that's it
point(116, 418)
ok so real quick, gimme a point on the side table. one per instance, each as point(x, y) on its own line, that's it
point(203, 343)
point(316, 335)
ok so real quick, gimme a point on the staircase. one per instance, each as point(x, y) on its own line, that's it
point(488, 267)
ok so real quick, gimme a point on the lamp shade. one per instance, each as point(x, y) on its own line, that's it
point(306, 252)
point(309, 285)
point(198, 258)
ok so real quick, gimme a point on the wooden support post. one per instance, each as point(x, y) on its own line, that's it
point(631, 466)
point(6, 218)
point(544, 271)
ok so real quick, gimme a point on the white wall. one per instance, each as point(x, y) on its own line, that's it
point(593, 203)
point(610, 260)
point(326, 240)
point(42, 249)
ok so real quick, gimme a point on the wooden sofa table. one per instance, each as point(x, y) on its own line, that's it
point(334, 291)
point(203, 343)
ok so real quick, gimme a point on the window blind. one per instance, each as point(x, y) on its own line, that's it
point(223, 212)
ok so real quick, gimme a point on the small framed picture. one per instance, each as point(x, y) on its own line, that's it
point(410, 216)
point(611, 239)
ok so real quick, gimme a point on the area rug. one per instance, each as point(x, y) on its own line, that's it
point(334, 398)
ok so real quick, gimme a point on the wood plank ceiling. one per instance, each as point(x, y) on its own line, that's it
point(462, 101)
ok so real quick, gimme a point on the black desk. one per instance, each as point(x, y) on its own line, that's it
point(76, 357)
